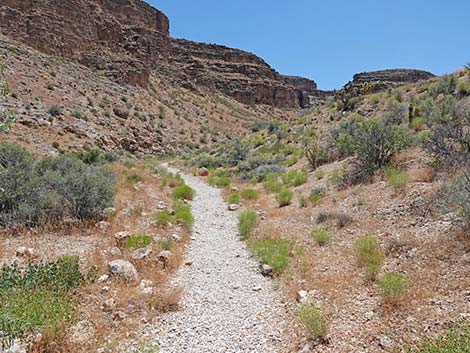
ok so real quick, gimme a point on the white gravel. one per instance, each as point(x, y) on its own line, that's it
point(228, 306)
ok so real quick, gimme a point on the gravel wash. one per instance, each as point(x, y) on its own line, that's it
point(227, 306)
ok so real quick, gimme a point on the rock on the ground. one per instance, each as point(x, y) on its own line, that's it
point(23, 251)
point(266, 270)
point(122, 234)
point(233, 207)
point(142, 253)
point(124, 269)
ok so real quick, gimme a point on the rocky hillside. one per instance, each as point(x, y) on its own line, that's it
point(128, 40)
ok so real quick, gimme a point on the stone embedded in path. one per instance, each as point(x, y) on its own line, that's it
point(233, 207)
point(266, 270)
point(142, 253)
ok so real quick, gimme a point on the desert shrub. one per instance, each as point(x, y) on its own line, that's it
point(163, 218)
point(78, 115)
point(284, 197)
point(342, 219)
point(319, 174)
point(313, 321)
point(456, 341)
point(456, 197)
point(314, 151)
point(249, 194)
point(136, 241)
point(316, 195)
point(50, 188)
point(417, 123)
point(369, 255)
point(36, 299)
point(391, 286)
point(343, 135)
point(321, 235)
point(246, 223)
point(303, 201)
point(134, 178)
point(55, 110)
point(396, 178)
point(445, 85)
point(272, 252)
point(295, 178)
point(183, 214)
point(234, 198)
point(375, 143)
point(219, 181)
point(206, 160)
point(374, 99)
point(259, 165)
point(172, 180)
point(183, 192)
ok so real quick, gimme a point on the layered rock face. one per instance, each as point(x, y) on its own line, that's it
point(386, 78)
point(128, 39)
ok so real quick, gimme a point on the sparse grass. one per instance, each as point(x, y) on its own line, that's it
point(284, 197)
point(396, 178)
point(456, 341)
point(145, 347)
point(183, 192)
point(321, 234)
point(369, 255)
point(171, 180)
point(219, 181)
point(319, 174)
point(391, 286)
point(273, 252)
point(249, 194)
point(273, 185)
point(233, 198)
point(313, 321)
point(163, 218)
point(246, 222)
point(134, 178)
point(136, 242)
point(295, 178)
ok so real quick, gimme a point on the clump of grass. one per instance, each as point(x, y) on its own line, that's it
point(183, 192)
point(396, 178)
point(273, 252)
point(313, 321)
point(171, 180)
point(134, 178)
point(219, 181)
point(391, 286)
point(303, 201)
point(137, 242)
point(295, 178)
point(163, 218)
point(284, 197)
point(456, 341)
point(321, 235)
point(369, 255)
point(165, 244)
point(234, 199)
point(183, 214)
point(319, 174)
point(417, 123)
point(246, 223)
point(249, 194)
point(271, 183)
point(316, 196)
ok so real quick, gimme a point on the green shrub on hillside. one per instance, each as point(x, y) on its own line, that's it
point(369, 255)
point(50, 188)
point(321, 234)
point(391, 286)
point(284, 197)
point(249, 194)
point(273, 252)
point(246, 223)
point(396, 178)
point(183, 192)
point(219, 181)
point(313, 322)
point(137, 241)
point(233, 199)
point(183, 214)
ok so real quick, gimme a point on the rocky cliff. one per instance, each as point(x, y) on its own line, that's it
point(379, 80)
point(128, 39)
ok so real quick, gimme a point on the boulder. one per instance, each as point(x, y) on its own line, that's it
point(123, 269)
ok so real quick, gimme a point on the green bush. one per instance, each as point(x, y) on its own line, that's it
point(321, 235)
point(295, 178)
point(183, 192)
point(395, 178)
point(312, 320)
point(183, 214)
point(246, 223)
point(163, 218)
point(249, 194)
point(134, 178)
point(50, 188)
point(391, 286)
point(273, 185)
point(273, 252)
point(137, 241)
point(233, 198)
point(369, 255)
point(284, 197)
point(463, 87)
point(219, 181)
point(303, 201)
point(171, 180)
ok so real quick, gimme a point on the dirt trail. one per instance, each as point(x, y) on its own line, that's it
point(228, 306)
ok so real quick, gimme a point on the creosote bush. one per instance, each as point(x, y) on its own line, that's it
point(313, 321)
point(50, 188)
point(284, 197)
point(272, 252)
point(246, 223)
point(369, 255)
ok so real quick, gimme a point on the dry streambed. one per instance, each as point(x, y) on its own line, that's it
point(228, 306)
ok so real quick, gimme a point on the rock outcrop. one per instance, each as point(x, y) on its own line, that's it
point(383, 79)
point(128, 39)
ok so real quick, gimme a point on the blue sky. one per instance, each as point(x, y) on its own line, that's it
point(329, 41)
